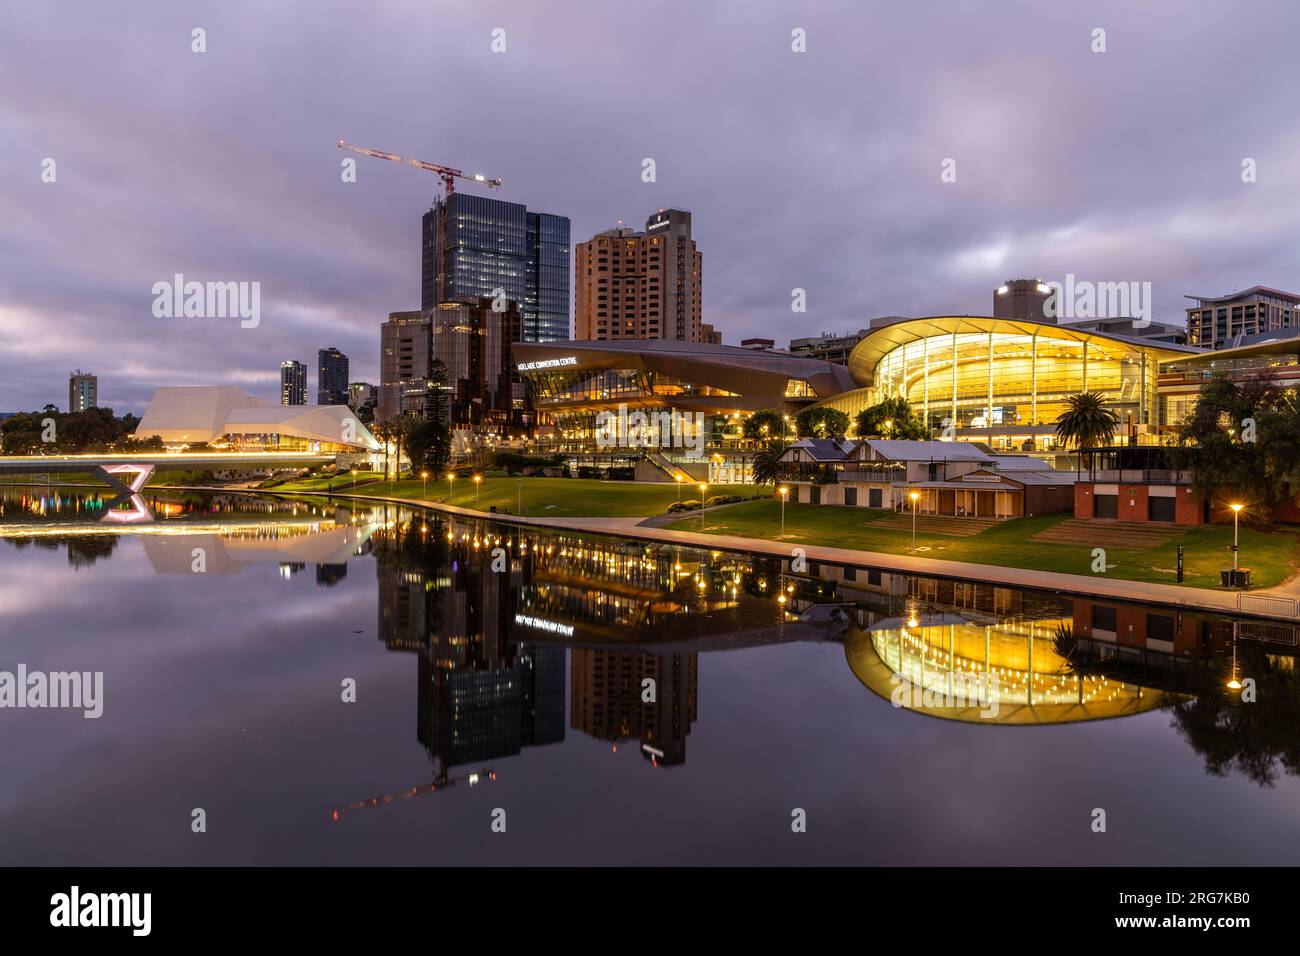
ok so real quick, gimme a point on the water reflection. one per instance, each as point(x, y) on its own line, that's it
point(502, 621)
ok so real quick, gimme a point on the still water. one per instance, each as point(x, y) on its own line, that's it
point(603, 700)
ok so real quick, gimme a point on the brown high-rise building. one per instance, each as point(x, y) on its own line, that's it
point(640, 285)
point(405, 357)
point(473, 343)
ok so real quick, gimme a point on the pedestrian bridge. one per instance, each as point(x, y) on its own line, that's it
point(108, 468)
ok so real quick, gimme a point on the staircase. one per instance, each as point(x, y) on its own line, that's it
point(1106, 532)
point(935, 524)
point(668, 468)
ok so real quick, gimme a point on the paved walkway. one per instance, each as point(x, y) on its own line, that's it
point(1142, 592)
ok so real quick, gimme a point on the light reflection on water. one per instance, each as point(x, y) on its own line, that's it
point(543, 661)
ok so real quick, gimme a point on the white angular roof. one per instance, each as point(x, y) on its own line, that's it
point(202, 413)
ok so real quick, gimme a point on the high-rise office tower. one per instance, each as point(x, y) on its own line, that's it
point(293, 383)
point(640, 285)
point(405, 364)
point(473, 341)
point(331, 377)
point(473, 246)
point(83, 391)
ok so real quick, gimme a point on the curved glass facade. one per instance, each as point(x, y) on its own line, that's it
point(1013, 385)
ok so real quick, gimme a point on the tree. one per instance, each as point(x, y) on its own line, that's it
point(1086, 421)
point(765, 465)
point(892, 418)
point(1244, 436)
point(428, 445)
point(822, 422)
point(764, 426)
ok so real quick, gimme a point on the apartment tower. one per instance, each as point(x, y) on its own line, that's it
point(640, 285)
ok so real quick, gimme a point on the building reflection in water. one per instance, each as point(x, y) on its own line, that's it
point(490, 613)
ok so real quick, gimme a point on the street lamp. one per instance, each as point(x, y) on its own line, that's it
point(680, 479)
point(784, 493)
point(478, 480)
point(785, 420)
point(521, 496)
point(1236, 515)
point(451, 476)
point(915, 496)
point(424, 477)
point(703, 489)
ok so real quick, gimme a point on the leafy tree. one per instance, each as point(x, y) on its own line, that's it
point(428, 445)
point(768, 419)
point(92, 430)
point(822, 422)
point(1244, 436)
point(1086, 421)
point(892, 418)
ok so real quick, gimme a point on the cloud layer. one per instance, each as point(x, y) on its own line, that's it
point(817, 170)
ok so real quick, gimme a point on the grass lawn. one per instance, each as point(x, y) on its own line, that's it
point(364, 481)
point(1273, 554)
point(159, 479)
point(554, 497)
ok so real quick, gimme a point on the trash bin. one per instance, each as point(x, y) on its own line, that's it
point(1239, 578)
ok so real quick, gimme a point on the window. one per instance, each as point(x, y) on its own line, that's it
point(1104, 618)
point(875, 498)
point(1160, 627)
point(850, 496)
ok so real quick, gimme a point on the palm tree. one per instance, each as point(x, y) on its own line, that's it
point(765, 460)
point(1086, 421)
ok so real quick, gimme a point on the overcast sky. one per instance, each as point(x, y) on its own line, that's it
point(818, 170)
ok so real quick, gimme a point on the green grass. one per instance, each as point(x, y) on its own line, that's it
point(158, 479)
point(1273, 554)
point(546, 497)
point(340, 484)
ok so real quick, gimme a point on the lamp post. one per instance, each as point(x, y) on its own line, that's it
point(451, 476)
point(680, 479)
point(915, 496)
point(703, 488)
point(1236, 515)
point(785, 420)
point(784, 493)
point(424, 478)
point(478, 480)
point(521, 496)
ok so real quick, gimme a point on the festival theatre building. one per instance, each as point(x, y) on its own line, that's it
point(998, 381)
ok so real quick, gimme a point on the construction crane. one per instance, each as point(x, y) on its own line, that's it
point(445, 173)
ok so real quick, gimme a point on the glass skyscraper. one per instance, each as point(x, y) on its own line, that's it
point(472, 246)
point(331, 377)
point(293, 383)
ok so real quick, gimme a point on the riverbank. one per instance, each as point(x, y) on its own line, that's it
point(1274, 603)
point(824, 534)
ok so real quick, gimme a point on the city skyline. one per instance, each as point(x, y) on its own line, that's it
point(1069, 173)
